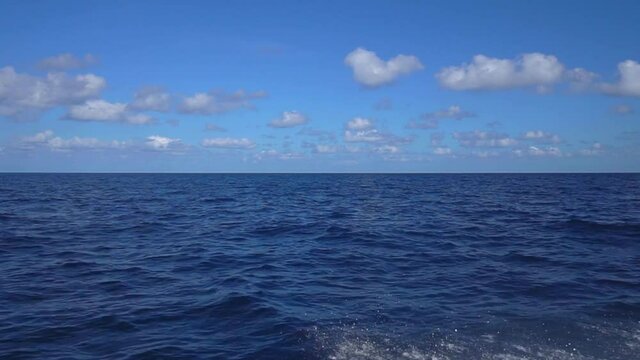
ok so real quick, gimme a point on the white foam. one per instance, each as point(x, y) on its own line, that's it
point(354, 343)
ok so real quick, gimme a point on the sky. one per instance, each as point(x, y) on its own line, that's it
point(319, 86)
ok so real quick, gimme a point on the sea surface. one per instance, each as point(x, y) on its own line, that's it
point(320, 266)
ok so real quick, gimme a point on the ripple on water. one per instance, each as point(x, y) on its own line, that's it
point(147, 266)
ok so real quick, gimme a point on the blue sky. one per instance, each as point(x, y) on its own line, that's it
point(326, 86)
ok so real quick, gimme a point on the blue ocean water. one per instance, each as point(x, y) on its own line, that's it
point(460, 266)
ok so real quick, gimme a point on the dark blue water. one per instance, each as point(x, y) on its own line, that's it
point(319, 266)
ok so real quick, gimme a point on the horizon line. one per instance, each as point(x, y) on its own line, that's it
point(318, 173)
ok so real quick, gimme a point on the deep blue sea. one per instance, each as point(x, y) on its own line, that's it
point(360, 266)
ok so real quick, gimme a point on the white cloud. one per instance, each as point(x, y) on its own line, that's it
point(595, 149)
point(66, 62)
point(98, 110)
point(267, 154)
point(359, 123)
point(540, 136)
point(364, 131)
point(218, 102)
point(371, 71)
point(548, 151)
point(484, 153)
point(326, 149)
point(101, 110)
point(230, 143)
point(23, 95)
point(47, 139)
point(442, 151)
point(138, 119)
point(581, 79)
point(370, 135)
point(375, 136)
point(151, 98)
point(40, 137)
point(289, 119)
point(291, 156)
point(353, 149)
point(275, 154)
point(386, 149)
point(454, 112)
point(485, 73)
point(623, 109)
point(75, 142)
point(483, 139)
point(158, 142)
point(629, 80)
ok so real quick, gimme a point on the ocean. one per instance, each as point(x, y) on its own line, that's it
point(320, 266)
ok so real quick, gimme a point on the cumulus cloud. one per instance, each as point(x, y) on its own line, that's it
point(104, 111)
point(432, 119)
point(275, 154)
point(75, 142)
point(386, 149)
point(539, 151)
point(628, 80)
point(229, 143)
point(38, 138)
point(289, 119)
point(67, 61)
point(218, 102)
point(442, 151)
point(580, 79)
point(454, 112)
point(374, 136)
point(359, 123)
point(363, 130)
point(47, 139)
point(369, 135)
point(595, 149)
point(161, 143)
point(484, 153)
point(540, 136)
point(325, 149)
point(151, 98)
point(23, 95)
point(486, 73)
point(483, 139)
point(371, 71)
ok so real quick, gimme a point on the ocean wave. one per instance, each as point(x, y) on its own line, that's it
point(591, 225)
point(320, 267)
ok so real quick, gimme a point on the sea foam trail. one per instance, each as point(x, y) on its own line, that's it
point(357, 343)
